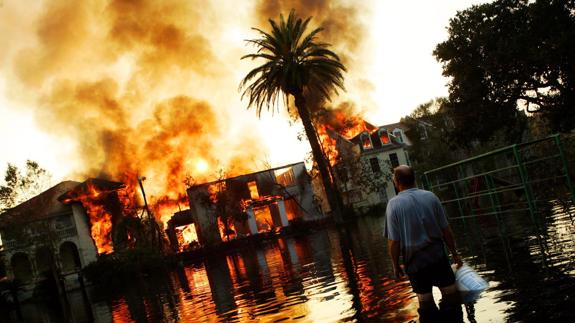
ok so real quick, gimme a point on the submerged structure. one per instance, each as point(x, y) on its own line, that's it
point(58, 232)
point(43, 233)
point(250, 204)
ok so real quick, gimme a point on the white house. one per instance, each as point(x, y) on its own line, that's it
point(364, 169)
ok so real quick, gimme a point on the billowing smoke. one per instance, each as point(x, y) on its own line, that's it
point(342, 25)
point(344, 29)
point(148, 88)
point(122, 78)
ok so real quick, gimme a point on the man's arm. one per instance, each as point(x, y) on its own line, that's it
point(393, 249)
point(450, 242)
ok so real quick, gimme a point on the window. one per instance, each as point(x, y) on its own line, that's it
point(366, 141)
point(422, 132)
point(394, 160)
point(398, 134)
point(253, 187)
point(383, 137)
point(286, 178)
point(293, 210)
point(63, 222)
point(374, 162)
point(69, 257)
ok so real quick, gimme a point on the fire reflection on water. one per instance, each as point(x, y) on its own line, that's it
point(330, 275)
point(288, 278)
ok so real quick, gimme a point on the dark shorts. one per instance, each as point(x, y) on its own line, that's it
point(437, 274)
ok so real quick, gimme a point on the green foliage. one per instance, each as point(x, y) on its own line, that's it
point(296, 64)
point(293, 62)
point(354, 172)
point(428, 129)
point(20, 187)
point(506, 56)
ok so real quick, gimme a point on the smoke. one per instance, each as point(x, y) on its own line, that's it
point(344, 29)
point(148, 88)
point(342, 25)
point(126, 80)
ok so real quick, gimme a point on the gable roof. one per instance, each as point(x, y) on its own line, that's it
point(41, 206)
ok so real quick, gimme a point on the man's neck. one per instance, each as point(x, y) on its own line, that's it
point(401, 188)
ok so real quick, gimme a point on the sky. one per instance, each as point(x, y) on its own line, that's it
point(81, 86)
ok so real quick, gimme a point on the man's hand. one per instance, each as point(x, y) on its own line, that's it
point(398, 272)
point(457, 260)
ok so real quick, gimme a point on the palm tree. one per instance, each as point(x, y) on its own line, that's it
point(295, 64)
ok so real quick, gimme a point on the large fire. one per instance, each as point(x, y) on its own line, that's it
point(156, 95)
point(105, 202)
point(334, 124)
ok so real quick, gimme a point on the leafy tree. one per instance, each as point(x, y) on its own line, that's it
point(295, 64)
point(355, 173)
point(20, 187)
point(428, 129)
point(507, 56)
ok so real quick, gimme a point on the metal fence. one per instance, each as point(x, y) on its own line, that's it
point(516, 178)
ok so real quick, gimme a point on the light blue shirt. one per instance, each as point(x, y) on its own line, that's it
point(416, 219)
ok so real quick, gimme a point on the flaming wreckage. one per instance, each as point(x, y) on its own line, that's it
point(69, 225)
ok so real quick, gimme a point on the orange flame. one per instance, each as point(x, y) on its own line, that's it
point(335, 124)
point(186, 235)
point(102, 200)
point(101, 223)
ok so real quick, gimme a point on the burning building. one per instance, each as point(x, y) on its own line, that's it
point(62, 230)
point(235, 207)
point(363, 162)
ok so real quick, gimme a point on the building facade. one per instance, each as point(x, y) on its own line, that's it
point(43, 236)
point(365, 165)
point(260, 202)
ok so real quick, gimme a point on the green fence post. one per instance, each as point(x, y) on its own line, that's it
point(458, 202)
point(525, 182)
point(565, 168)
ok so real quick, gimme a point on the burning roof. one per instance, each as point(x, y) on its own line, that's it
point(100, 198)
point(90, 188)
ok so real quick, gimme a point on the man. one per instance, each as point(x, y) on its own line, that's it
point(416, 227)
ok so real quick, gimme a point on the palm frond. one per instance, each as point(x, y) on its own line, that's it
point(293, 61)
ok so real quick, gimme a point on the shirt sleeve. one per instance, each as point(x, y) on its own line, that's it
point(391, 230)
point(440, 214)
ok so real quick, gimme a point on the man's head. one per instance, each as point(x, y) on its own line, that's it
point(403, 177)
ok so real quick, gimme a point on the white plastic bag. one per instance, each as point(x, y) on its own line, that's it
point(467, 280)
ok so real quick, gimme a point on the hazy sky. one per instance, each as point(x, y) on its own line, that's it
point(391, 71)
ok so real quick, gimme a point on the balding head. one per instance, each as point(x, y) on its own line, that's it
point(403, 177)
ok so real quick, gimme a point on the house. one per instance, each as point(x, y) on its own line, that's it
point(399, 130)
point(365, 164)
point(260, 202)
point(42, 234)
point(53, 233)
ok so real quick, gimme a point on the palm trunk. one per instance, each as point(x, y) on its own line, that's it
point(333, 197)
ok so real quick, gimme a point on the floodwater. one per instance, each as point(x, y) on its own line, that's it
point(345, 275)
